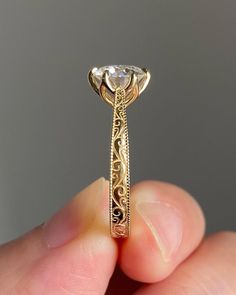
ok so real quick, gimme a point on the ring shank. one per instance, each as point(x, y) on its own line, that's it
point(119, 192)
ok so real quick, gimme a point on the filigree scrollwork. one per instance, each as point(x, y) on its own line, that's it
point(119, 171)
point(119, 178)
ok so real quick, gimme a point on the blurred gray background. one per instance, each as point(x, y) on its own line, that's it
point(55, 131)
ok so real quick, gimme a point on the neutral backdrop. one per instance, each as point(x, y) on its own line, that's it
point(55, 131)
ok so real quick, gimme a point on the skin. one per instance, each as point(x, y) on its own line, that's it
point(167, 253)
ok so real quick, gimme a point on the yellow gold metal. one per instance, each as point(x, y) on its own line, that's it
point(90, 78)
point(119, 171)
point(119, 190)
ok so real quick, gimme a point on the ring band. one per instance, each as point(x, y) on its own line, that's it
point(119, 86)
point(119, 171)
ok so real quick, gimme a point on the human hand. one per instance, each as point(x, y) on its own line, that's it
point(73, 252)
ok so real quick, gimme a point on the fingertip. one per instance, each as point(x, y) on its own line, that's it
point(167, 224)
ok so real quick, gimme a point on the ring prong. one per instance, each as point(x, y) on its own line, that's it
point(148, 77)
point(106, 81)
point(133, 80)
point(132, 90)
point(104, 91)
point(90, 78)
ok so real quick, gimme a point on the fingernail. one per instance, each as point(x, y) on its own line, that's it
point(165, 223)
point(73, 219)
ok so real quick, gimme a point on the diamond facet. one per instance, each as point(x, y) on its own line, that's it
point(119, 75)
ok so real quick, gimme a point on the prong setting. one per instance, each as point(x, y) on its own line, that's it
point(106, 80)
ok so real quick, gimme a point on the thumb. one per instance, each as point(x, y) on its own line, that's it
point(72, 253)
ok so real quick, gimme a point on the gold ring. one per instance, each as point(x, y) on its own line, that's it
point(119, 86)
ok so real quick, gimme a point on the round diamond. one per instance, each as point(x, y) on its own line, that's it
point(119, 75)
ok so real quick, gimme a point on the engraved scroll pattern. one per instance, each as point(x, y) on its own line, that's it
point(120, 176)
